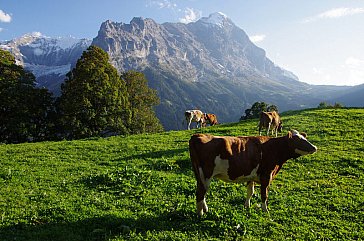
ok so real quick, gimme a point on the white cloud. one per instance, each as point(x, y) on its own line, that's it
point(335, 13)
point(355, 68)
point(323, 75)
point(191, 15)
point(349, 72)
point(162, 4)
point(354, 62)
point(257, 38)
point(4, 17)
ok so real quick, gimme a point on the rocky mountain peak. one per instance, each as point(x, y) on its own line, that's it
point(219, 19)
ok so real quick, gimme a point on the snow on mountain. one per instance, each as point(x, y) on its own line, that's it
point(42, 70)
point(46, 56)
point(217, 18)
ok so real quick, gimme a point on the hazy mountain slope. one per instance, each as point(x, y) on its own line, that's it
point(354, 96)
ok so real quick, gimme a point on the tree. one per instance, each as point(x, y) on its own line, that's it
point(323, 105)
point(142, 99)
point(272, 108)
point(338, 105)
point(24, 109)
point(94, 99)
point(256, 109)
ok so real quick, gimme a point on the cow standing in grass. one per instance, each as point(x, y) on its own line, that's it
point(210, 119)
point(270, 120)
point(252, 159)
point(194, 116)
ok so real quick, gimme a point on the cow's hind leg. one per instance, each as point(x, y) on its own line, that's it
point(202, 187)
point(264, 181)
point(249, 194)
point(201, 206)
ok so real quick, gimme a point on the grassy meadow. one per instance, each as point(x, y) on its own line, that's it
point(141, 187)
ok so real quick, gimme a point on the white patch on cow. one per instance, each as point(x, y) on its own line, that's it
point(249, 194)
point(253, 176)
point(298, 151)
point(264, 206)
point(201, 207)
point(302, 153)
point(202, 176)
point(221, 169)
point(221, 172)
point(296, 133)
point(205, 181)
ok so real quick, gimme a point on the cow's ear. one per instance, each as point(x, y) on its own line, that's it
point(303, 134)
point(289, 135)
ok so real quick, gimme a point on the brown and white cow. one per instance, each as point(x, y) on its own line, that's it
point(194, 116)
point(210, 119)
point(247, 159)
point(270, 120)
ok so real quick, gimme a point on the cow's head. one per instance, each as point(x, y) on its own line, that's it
point(299, 143)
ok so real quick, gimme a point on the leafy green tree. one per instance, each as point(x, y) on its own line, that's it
point(338, 105)
point(323, 105)
point(24, 109)
point(94, 99)
point(272, 108)
point(248, 114)
point(256, 109)
point(142, 99)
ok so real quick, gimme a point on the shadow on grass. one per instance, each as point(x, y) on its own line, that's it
point(172, 160)
point(155, 154)
point(110, 226)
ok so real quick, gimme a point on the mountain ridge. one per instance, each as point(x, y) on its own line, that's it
point(210, 64)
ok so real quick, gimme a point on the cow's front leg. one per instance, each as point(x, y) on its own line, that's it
point(249, 193)
point(264, 181)
point(189, 124)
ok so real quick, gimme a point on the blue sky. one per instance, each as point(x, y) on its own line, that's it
point(321, 41)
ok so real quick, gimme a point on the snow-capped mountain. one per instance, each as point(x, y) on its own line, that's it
point(218, 19)
point(49, 59)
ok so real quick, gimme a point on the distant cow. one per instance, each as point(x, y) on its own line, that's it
point(210, 119)
point(243, 159)
point(195, 116)
point(270, 120)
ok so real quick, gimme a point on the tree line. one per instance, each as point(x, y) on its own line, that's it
point(95, 101)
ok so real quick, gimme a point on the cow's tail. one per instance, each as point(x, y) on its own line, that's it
point(196, 164)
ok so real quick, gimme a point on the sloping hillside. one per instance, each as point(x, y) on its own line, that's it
point(142, 187)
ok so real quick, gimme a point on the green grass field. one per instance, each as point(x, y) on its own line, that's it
point(142, 187)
